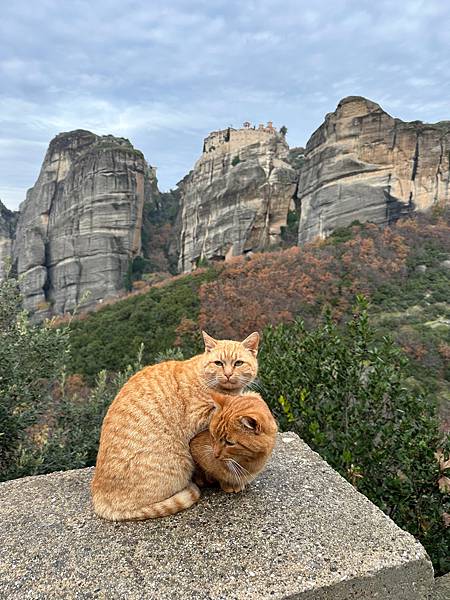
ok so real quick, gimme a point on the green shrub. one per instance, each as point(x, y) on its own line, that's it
point(344, 393)
point(289, 232)
point(235, 160)
point(31, 358)
point(110, 338)
point(169, 354)
point(74, 432)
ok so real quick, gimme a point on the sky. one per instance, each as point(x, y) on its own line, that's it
point(165, 74)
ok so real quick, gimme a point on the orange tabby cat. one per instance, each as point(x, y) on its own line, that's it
point(239, 441)
point(144, 465)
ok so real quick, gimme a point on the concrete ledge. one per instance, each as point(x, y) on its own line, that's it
point(441, 588)
point(299, 531)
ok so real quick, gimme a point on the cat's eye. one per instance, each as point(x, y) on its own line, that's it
point(238, 363)
point(229, 443)
point(219, 363)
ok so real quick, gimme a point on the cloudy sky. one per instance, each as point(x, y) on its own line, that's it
point(164, 74)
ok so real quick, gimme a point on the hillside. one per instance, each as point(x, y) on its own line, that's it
point(403, 269)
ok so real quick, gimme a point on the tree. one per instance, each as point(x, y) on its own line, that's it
point(31, 358)
point(344, 393)
point(283, 130)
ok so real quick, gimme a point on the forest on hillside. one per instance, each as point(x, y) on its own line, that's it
point(402, 269)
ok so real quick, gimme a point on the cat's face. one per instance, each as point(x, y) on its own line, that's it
point(242, 427)
point(230, 366)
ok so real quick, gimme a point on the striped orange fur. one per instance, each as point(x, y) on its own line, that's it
point(144, 465)
point(239, 441)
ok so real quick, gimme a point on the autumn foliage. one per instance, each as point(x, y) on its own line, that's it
point(278, 286)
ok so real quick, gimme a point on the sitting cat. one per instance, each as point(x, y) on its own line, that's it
point(144, 465)
point(239, 441)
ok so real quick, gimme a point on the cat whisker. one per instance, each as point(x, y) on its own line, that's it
point(256, 386)
point(237, 467)
point(210, 382)
point(236, 474)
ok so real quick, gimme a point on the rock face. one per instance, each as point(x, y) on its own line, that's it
point(237, 197)
point(8, 221)
point(81, 222)
point(362, 164)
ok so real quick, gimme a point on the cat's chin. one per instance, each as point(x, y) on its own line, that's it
point(230, 387)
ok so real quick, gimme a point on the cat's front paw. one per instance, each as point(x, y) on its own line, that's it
point(232, 488)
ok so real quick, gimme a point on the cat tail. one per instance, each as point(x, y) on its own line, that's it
point(176, 503)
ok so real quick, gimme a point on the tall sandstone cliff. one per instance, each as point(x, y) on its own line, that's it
point(237, 197)
point(8, 221)
point(81, 222)
point(362, 164)
point(96, 204)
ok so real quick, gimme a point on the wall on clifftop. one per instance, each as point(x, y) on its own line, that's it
point(237, 197)
point(362, 164)
point(81, 222)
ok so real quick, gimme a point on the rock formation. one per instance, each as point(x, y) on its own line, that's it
point(8, 220)
point(81, 222)
point(237, 197)
point(362, 164)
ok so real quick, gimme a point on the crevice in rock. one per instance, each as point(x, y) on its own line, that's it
point(438, 170)
point(415, 159)
point(394, 137)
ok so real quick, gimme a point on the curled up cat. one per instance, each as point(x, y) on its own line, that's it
point(235, 448)
point(144, 464)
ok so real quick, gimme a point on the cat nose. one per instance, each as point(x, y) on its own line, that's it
point(216, 451)
point(228, 373)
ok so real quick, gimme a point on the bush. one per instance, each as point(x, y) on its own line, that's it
point(344, 394)
point(235, 160)
point(31, 358)
point(110, 338)
point(48, 421)
point(73, 434)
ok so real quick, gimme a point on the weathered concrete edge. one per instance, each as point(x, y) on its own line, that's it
point(410, 581)
point(410, 577)
point(441, 589)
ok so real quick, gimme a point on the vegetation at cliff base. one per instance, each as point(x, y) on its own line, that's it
point(343, 391)
point(159, 319)
point(31, 359)
point(402, 269)
point(360, 386)
point(340, 388)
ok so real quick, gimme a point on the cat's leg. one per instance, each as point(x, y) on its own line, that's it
point(148, 486)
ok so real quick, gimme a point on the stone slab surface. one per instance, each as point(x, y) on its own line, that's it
point(441, 588)
point(299, 531)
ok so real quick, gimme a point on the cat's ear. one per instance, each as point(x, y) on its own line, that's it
point(210, 342)
point(251, 423)
point(251, 343)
